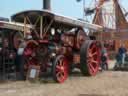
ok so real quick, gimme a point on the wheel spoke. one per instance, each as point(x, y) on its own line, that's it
point(58, 68)
point(62, 75)
point(94, 61)
point(92, 68)
point(91, 53)
point(95, 53)
point(61, 62)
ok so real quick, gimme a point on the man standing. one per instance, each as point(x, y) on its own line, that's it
point(122, 51)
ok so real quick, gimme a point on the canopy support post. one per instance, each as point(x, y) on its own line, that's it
point(25, 23)
point(41, 27)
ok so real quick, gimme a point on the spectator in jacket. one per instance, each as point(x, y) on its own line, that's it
point(122, 51)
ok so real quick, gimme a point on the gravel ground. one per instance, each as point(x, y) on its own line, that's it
point(104, 84)
point(107, 83)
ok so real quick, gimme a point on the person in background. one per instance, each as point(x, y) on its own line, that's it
point(122, 52)
point(104, 59)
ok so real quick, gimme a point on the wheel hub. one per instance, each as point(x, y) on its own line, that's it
point(62, 68)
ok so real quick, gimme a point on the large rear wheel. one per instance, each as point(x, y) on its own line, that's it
point(89, 58)
point(60, 69)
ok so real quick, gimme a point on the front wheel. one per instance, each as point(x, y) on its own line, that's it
point(60, 69)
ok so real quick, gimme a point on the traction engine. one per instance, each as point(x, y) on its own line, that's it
point(57, 45)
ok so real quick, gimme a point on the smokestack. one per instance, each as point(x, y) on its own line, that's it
point(47, 4)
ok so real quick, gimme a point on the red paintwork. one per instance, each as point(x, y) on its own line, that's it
point(43, 41)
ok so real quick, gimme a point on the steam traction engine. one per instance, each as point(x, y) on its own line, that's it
point(57, 43)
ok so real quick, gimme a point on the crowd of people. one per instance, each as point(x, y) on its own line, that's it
point(121, 57)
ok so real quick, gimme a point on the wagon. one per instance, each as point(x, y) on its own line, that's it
point(58, 44)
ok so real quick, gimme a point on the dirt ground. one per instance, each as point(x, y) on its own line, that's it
point(109, 83)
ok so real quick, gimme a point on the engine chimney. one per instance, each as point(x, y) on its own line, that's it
point(47, 4)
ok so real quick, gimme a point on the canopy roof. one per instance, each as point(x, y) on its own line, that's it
point(34, 14)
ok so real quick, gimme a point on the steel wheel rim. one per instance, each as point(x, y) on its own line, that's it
point(93, 58)
point(61, 70)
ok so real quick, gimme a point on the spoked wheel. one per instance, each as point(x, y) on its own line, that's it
point(60, 69)
point(89, 58)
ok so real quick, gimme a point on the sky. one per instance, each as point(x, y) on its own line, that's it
point(66, 7)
